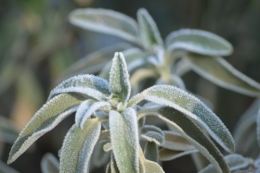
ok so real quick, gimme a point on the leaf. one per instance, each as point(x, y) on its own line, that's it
point(152, 134)
point(113, 165)
point(194, 109)
point(151, 151)
point(107, 147)
point(89, 85)
point(8, 131)
point(49, 164)
point(86, 109)
point(191, 132)
point(119, 78)
point(149, 32)
point(44, 120)
point(142, 74)
point(124, 139)
point(6, 169)
point(100, 157)
point(166, 154)
point(174, 141)
point(220, 72)
point(198, 41)
point(234, 161)
point(78, 146)
point(106, 21)
point(258, 127)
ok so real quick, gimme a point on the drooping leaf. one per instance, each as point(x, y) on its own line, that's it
point(151, 151)
point(174, 141)
point(152, 134)
point(124, 139)
point(6, 169)
point(234, 161)
point(8, 131)
point(89, 85)
point(119, 78)
point(86, 109)
point(49, 164)
point(106, 21)
point(149, 32)
point(100, 157)
point(198, 41)
point(191, 132)
point(44, 120)
point(166, 154)
point(220, 72)
point(78, 146)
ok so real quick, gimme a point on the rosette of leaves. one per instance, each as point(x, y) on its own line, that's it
point(105, 111)
point(165, 61)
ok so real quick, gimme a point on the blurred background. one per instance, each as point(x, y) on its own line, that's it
point(37, 44)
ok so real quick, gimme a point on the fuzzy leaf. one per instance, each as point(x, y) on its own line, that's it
point(107, 147)
point(152, 134)
point(191, 132)
point(198, 41)
point(234, 161)
point(44, 120)
point(124, 139)
point(119, 78)
point(86, 109)
point(166, 154)
point(49, 164)
point(89, 85)
point(220, 72)
point(106, 21)
point(100, 157)
point(174, 141)
point(6, 169)
point(151, 151)
point(78, 146)
point(148, 29)
point(113, 165)
point(194, 109)
point(8, 131)
point(108, 168)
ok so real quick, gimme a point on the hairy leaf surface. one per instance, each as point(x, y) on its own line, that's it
point(152, 134)
point(106, 21)
point(166, 154)
point(44, 120)
point(78, 146)
point(49, 164)
point(220, 72)
point(198, 41)
point(151, 151)
point(124, 139)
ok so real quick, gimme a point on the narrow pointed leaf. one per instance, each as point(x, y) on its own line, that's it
point(152, 134)
point(49, 164)
point(100, 157)
point(234, 161)
point(151, 151)
point(106, 21)
point(119, 78)
point(174, 141)
point(124, 139)
point(198, 41)
point(89, 85)
point(44, 120)
point(6, 169)
point(166, 154)
point(86, 109)
point(194, 109)
point(113, 165)
point(220, 72)
point(78, 146)
point(191, 132)
point(149, 32)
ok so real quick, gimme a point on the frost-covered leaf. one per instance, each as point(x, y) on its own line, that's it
point(44, 120)
point(49, 164)
point(220, 72)
point(151, 151)
point(119, 78)
point(89, 85)
point(174, 141)
point(94, 62)
point(78, 146)
point(8, 131)
point(86, 109)
point(198, 41)
point(194, 109)
point(106, 21)
point(149, 32)
point(152, 134)
point(191, 132)
point(166, 154)
point(234, 161)
point(6, 169)
point(124, 139)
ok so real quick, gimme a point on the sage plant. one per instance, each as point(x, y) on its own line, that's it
point(105, 112)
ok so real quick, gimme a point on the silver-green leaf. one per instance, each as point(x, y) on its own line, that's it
point(106, 21)
point(151, 151)
point(166, 154)
point(78, 146)
point(124, 139)
point(198, 41)
point(49, 164)
point(44, 120)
